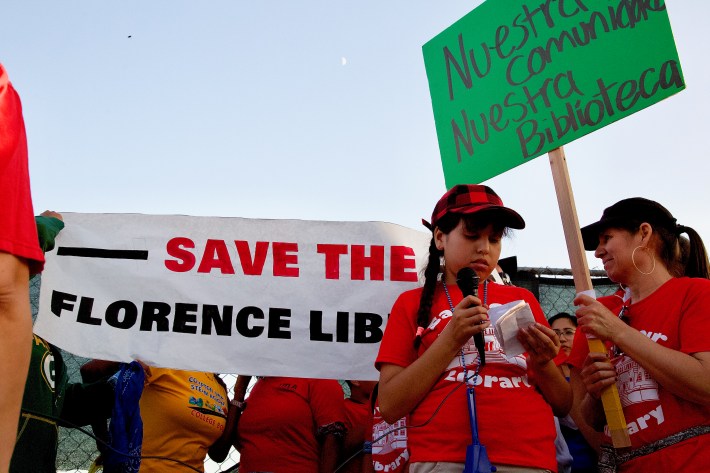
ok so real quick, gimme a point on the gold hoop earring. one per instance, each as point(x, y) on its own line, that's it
point(633, 260)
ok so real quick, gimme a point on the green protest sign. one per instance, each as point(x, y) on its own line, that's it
point(514, 79)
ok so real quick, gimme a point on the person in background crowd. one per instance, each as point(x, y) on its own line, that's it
point(565, 326)
point(583, 442)
point(659, 351)
point(20, 257)
point(428, 351)
point(358, 423)
point(291, 425)
point(186, 416)
point(49, 399)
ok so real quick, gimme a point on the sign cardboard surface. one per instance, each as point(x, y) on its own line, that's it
point(514, 79)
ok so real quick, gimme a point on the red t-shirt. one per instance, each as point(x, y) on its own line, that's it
point(278, 431)
point(358, 422)
point(515, 423)
point(389, 444)
point(18, 231)
point(677, 316)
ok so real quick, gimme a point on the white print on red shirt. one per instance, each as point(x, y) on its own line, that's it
point(635, 386)
point(394, 465)
point(389, 437)
point(389, 444)
point(654, 417)
point(634, 383)
point(494, 352)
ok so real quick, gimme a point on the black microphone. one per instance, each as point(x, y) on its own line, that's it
point(467, 281)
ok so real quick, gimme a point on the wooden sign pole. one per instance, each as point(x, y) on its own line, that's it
point(582, 283)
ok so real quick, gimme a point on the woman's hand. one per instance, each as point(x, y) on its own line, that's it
point(597, 373)
point(470, 317)
point(595, 319)
point(52, 214)
point(540, 342)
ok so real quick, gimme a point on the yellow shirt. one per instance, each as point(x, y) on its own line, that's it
point(184, 413)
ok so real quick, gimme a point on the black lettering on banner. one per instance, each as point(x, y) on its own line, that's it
point(155, 312)
point(102, 253)
point(113, 314)
point(368, 327)
point(242, 322)
point(316, 328)
point(86, 305)
point(185, 314)
point(278, 320)
point(250, 321)
point(341, 327)
point(211, 317)
point(60, 301)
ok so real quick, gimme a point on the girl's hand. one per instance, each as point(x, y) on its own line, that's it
point(540, 342)
point(597, 373)
point(469, 318)
point(595, 319)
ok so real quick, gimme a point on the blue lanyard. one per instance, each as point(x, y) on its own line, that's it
point(476, 456)
point(470, 391)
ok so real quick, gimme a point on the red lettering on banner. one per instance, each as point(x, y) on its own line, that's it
point(285, 255)
point(332, 258)
point(176, 247)
point(252, 266)
point(376, 263)
point(364, 261)
point(403, 265)
point(216, 256)
point(402, 262)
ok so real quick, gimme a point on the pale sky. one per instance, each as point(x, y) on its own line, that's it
point(306, 109)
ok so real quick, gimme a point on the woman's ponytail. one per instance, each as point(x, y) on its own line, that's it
point(696, 265)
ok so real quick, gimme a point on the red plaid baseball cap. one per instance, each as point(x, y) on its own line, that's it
point(468, 199)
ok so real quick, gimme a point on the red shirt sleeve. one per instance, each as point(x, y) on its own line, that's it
point(695, 317)
point(18, 231)
point(397, 346)
point(327, 402)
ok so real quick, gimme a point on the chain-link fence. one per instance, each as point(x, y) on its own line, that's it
point(553, 287)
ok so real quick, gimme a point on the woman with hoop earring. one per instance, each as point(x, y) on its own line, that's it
point(659, 348)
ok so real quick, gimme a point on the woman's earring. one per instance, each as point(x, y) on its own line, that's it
point(633, 260)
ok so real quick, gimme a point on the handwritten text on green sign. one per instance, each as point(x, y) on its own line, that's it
point(516, 78)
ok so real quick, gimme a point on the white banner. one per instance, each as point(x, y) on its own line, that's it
point(228, 295)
